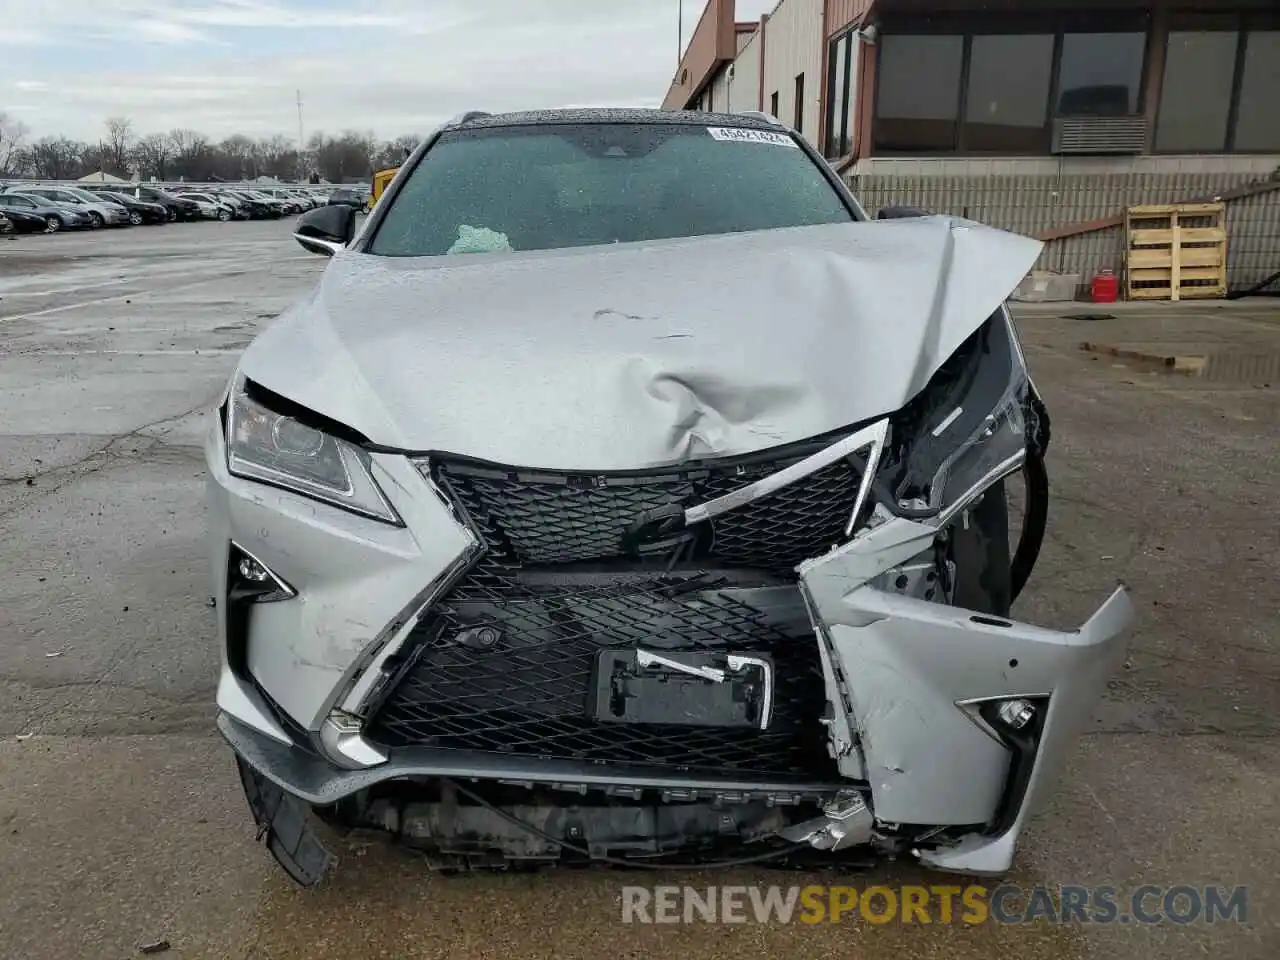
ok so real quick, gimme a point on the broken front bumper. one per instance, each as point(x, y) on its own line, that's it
point(909, 682)
point(921, 684)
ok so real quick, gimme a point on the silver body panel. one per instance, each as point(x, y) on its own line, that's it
point(639, 355)
point(631, 357)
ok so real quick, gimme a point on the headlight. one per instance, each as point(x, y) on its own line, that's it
point(273, 448)
point(971, 426)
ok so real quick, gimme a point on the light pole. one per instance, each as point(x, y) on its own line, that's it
point(301, 143)
point(680, 33)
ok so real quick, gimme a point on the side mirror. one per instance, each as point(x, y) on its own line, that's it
point(326, 230)
point(901, 213)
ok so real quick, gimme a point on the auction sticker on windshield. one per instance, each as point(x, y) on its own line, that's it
point(742, 135)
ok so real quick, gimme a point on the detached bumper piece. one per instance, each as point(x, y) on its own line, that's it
point(288, 827)
point(590, 632)
point(958, 718)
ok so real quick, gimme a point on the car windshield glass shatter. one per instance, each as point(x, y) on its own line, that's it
point(550, 187)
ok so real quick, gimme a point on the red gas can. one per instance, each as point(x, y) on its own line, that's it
point(1106, 287)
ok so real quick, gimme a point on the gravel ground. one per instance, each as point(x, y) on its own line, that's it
point(121, 823)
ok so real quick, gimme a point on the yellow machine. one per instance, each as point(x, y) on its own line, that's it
point(380, 180)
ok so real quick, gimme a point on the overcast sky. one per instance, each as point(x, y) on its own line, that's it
point(393, 66)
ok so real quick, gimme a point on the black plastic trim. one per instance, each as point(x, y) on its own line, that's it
point(316, 781)
point(1023, 746)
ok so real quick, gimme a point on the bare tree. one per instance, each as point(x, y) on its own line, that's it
point(277, 157)
point(13, 134)
point(115, 151)
point(152, 155)
point(189, 152)
point(239, 155)
point(395, 151)
point(191, 155)
point(56, 158)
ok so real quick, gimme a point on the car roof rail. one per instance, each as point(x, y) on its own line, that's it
point(467, 117)
point(761, 115)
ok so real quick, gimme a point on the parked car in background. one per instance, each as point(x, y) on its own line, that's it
point(344, 196)
point(258, 209)
point(178, 208)
point(211, 207)
point(140, 211)
point(56, 216)
point(289, 204)
point(310, 199)
point(275, 203)
point(103, 212)
point(239, 208)
point(23, 221)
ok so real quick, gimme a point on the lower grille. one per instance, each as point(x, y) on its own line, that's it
point(505, 662)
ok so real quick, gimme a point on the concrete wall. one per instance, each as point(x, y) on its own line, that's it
point(793, 45)
point(1026, 201)
point(746, 80)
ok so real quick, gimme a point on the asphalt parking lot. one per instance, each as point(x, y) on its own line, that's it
point(122, 823)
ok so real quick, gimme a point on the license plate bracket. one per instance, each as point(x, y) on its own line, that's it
point(686, 689)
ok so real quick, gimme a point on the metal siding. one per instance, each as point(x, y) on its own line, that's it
point(1033, 198)
point(841, 13)
point(746, 80)
point(720, 91)
point(712, 41)
point(794, 39)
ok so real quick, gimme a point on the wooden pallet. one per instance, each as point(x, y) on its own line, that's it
point(1176, 251)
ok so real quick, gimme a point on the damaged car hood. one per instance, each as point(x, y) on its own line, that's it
point(639, 355)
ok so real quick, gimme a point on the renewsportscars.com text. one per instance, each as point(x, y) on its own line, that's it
point(972, 904)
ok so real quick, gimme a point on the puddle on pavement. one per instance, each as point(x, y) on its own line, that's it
point(387, 903)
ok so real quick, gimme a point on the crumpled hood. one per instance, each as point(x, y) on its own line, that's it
point(639, 355)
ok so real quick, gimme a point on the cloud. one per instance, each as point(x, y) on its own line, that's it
point(165, 31)
point(390, 66)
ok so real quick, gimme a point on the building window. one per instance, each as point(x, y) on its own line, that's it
point(773, 104)
point(1007, 105)
point(918, 93)
point(799, 124)
point(1100, 74)
point(841, 61)
point(1195, 97)
point(1257, 122)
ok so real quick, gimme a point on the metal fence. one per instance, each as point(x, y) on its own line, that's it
point(1031, 203)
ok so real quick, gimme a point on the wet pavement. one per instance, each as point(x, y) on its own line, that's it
point(121, 821)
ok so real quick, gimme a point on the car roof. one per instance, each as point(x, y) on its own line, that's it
point(591, 115)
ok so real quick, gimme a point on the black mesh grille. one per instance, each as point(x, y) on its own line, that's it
point(557, 584)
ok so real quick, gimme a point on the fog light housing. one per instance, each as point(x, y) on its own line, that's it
point(252, 580)
point(1016, 714)
point(253, 571)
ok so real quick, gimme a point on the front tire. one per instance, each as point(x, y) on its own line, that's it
point(98, 221)
point(52, 224)
point(135, 219)
point(224, 215)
